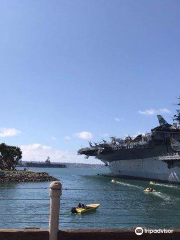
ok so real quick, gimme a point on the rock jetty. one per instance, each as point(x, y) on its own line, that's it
point(25, 176)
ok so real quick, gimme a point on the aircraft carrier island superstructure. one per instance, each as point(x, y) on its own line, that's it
point(153, 156)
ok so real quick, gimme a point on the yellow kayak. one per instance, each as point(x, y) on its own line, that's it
point(87, 208)
point(113, 181)
point(149, 190)
point(152, 182)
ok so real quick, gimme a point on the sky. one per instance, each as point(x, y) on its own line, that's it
point(74, 71)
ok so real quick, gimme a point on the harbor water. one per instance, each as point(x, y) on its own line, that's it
point(124, 204)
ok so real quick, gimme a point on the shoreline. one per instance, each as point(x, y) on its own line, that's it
point(25, 176)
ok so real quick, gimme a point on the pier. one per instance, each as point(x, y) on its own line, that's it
point(56, 233)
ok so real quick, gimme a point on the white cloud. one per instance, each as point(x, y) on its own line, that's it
point(40, 152)
point(46, 147)
point(84, 135)
point(117, 119)
point(30, 147)
point(164, 110)
point(153, 111)
point(67, 138)
point(53, 138)
point(148, 112)
point(9, 132)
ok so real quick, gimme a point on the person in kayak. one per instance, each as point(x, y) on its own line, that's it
point(83, 206)
point(151, 189)
point(79, 205)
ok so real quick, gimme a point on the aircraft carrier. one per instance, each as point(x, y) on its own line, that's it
point(152, 156)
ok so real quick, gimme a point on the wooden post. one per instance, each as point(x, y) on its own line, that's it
point(55, 193)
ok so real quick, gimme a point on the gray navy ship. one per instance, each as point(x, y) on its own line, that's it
point(152, 156)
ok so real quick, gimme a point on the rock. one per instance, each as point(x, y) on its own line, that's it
point(25, 176)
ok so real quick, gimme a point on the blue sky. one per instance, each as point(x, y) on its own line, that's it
point(80, 69)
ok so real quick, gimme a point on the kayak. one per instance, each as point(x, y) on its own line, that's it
point(88, 208)
point(113, 181)
point(149, 191)
point(152, 183)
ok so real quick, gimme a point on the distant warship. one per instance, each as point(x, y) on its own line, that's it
point(153, 156)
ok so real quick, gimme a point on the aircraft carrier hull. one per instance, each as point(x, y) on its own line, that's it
point(147, 168)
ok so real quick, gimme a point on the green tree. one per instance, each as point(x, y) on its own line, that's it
point(9, 156)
